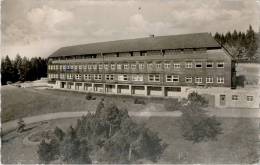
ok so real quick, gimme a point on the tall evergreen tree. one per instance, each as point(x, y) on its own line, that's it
point(7, 71)
point(17, 66)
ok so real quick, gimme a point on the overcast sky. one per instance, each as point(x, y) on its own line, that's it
point(39, 27)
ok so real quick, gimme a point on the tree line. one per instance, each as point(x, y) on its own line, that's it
point(22, 69)
point(241, 45)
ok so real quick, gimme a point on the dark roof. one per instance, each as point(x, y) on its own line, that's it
point(197, 40)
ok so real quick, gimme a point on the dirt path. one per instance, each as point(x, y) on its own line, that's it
point(8, 126)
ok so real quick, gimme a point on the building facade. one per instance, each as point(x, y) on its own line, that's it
point(152, 66)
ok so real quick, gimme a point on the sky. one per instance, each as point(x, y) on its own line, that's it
point(40, 27)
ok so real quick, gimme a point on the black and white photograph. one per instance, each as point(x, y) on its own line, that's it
point(130, 82)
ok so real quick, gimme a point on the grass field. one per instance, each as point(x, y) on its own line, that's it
point(24, 102)
point(236, 145)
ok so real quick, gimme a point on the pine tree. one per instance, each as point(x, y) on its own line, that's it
point(17, 66)
point(7, 70)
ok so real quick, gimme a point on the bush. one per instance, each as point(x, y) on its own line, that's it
point(59, 133)
point(195, 99)
point(197, 126)
point(89, 96)
point(139, 101)
point(48, 152)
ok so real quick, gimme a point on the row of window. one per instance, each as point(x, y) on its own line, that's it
point(236, 98)
point(138, 77)
point(140, 66)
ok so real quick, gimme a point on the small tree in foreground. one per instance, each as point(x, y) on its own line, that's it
point(195, 124)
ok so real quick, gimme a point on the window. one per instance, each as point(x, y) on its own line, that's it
point(188, 65)
point(133, 66)
point(141, 66)
point(123, 77)
point(235, 97)
point(198, 80)
point(87, 77)
point(61, 67)
point(80, 67)
point(172, 78)
point(100, 66)
point(78, 76)
point(119, 66)
point(209, 79)
point(125, 66)
point(97, 77)
point(220, 65)
point(62, 76)
point(209, 65)
point(188, 79)
point(69, 76)
point(75, 67)
point(106, 66)
point(85, 67)
point(158, 65)
point(198, 65)
point(150, 65)
point(249, 98)
point(95, 67)
point(220, 80)
point(113, 66)
point(67, 67)
point(176, 65)
point(154, 78)
point(137, 77)
point(89, 66)
point(71, 67)
point(167, 65)
point(109, 77)
point(64, 67)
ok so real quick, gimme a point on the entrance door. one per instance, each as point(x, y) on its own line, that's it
point(222, 100)
point(62, 84)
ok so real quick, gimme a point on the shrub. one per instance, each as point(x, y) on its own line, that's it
point(48, 152)
point(59, 133)
point(195, 99)
point(197, 126)
point(89, 96)
point(139, 101)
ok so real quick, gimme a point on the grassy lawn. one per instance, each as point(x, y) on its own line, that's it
point(236, 145)
point(24, 102)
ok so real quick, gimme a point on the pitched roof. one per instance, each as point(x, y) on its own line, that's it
point(195, 40)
